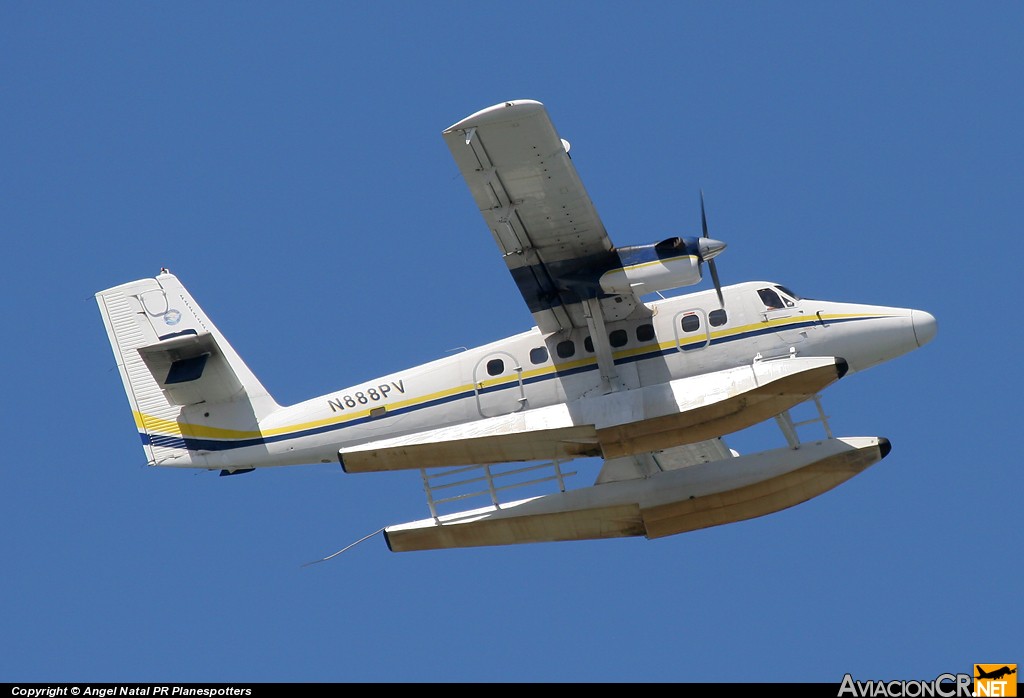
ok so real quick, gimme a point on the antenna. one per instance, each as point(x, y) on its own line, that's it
point(350, 545)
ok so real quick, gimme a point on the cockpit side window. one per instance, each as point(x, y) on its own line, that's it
point(770, 298)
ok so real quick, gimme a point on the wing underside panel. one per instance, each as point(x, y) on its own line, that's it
point(533, 201)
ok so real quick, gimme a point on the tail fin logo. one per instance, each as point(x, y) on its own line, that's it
point(172, 317)
point(995, 680)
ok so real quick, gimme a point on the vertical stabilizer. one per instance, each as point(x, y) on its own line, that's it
point(187, 387)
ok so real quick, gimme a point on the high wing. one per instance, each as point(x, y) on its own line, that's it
point(521, 176)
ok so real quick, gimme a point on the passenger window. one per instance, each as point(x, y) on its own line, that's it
point(539, 355)
point(691, 323)
point(565, 349)
point(618, 338)
point(717, 318)
point(770, 298)
point(645, 333)
point(588, 344)
point(495, 367)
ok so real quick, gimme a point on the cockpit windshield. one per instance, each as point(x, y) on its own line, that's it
point(788, 292)
point(777, 297)
point(770, 298)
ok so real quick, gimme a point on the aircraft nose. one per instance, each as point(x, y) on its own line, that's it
point(924, 326)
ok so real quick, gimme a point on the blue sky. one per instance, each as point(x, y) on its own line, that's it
point(285, 160)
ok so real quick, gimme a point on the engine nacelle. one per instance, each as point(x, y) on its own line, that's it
point(665, 265)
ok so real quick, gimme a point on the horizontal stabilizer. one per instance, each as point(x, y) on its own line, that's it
point(191, 369)
point(677, 501)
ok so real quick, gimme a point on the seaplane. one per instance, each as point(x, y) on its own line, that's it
point(643, 385)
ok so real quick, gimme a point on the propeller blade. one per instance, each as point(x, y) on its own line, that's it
point(710, 261)
point(718, 285)
point(703, 218)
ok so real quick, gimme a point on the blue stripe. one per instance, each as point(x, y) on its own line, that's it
point(197, 444)
point(164, 440)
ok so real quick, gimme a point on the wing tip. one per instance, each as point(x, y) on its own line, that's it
point(503, 111)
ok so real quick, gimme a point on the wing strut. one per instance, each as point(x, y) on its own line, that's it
point(602, 348)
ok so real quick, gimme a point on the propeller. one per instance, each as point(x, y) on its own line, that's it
point(709, 249)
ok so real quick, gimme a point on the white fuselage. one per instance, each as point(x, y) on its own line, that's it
point(686, 336)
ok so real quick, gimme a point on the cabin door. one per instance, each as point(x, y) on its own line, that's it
point(498, 383)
